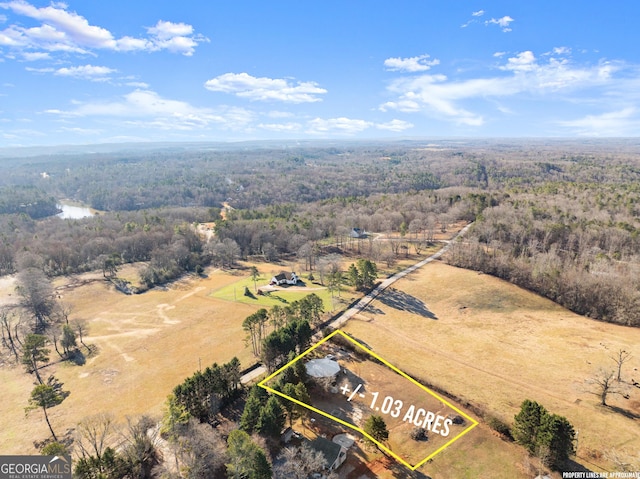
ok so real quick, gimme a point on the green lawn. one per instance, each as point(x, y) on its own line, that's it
point(235, 292)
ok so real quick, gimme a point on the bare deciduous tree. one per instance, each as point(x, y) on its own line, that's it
point(94, 434)
point(603, 385)
point(11, 339)
point(620, 358)
point(37, 296)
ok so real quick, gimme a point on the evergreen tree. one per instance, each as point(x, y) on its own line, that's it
point(368, 273)
point(376, 428)
point(354, 277)
point(252, 408)
point(527, 424)
point(34, 352)
point(289, 406)
point(247, 460)
point(557, 436)
point(272, 418)
point(68, 340)
point(45, 396)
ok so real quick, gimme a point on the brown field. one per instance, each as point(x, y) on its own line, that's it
point(375, 388)
point(494, 345)
point(147, 344)
point(479, 338)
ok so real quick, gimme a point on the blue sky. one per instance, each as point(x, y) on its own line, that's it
point(91, 72)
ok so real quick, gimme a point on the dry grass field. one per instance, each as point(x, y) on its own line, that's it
point(494, 345)
point(147, 344)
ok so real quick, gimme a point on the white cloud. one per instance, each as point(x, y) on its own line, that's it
point(40, 70)
point(479, 13)
point(615, 123)
point(395, 125)
point(35, 56)
point(62, 30)
point(279, 114)
point(292, 126)
point(81, 131)
point(523, 62)
point(138, 84)
point(562, 51)
point(146, 108)
point(412, 64)
point(503, 22)
point(88, 72)
point(165, 30)
point(265, 89)
point(499, 54)
point(337, 125)
point(443, 98)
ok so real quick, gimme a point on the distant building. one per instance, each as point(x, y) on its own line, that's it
point(285, 278)
point(334, 454)
point(358, 233)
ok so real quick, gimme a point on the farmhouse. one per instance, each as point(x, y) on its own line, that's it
point(285, 278)
point(334, 454)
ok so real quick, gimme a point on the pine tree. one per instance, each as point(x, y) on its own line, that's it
point(527, 424)
point(556, 435)
point(46, 396)
point(376, 428)
point(35, 352)
point(272, 418)
point(247, 460)
point(252, 407)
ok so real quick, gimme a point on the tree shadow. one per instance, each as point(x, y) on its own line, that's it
point(405, 302)
point(571, 465)
point(624, 412)
point(370, 308)
point(77, 357)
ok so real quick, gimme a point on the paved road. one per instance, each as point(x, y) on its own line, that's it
point(364, 302)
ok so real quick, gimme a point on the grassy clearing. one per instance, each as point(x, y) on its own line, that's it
point(286, 295)
point(496, 345)
point(147, 344)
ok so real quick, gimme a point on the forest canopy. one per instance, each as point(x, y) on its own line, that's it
point(557, 217)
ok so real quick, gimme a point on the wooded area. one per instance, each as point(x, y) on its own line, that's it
point(556, 217)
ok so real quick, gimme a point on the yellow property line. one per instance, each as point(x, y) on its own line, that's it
point(355, 428)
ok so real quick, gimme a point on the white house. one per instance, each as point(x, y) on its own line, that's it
point(285, 278)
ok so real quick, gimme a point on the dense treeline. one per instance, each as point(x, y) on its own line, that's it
point(204, 393)
point(257, 177)
point(558, 218)
point(166, 238)
point(27, 200)
point(72, 246)
point(575, 243)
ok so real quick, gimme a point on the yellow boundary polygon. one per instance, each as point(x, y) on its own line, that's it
point(263, 384)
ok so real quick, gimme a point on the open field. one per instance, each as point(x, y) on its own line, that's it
point(364, 386)
point(147, 344)
point(280, 295)
point(494, 345)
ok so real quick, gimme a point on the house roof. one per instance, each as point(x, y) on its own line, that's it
point(330, 450)
point(322, 368)
point(284, 275)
